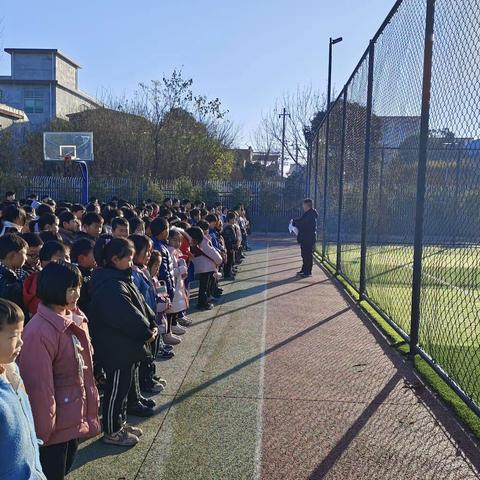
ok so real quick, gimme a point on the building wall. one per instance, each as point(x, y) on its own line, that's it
point(13, 95)
point(27, 66)
point(68, 102)
point(66, 74)
point(5, 121)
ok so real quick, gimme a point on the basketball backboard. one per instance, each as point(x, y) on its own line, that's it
point(59, 146)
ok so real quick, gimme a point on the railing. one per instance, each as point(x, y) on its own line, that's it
point(397, 183)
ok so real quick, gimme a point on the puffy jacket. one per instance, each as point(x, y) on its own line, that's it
point(166, 272)
point(141, 279)
point(119, 319)
point(307, 227)
point(11, 288)
point(180, 301)
point(206, 257)
point(229, 236)
point(30, 298)
point(19, 456)
point(56, 366)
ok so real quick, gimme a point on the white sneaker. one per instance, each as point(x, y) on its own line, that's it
point(178, 330)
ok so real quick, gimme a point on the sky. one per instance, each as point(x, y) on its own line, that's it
point(245, 52)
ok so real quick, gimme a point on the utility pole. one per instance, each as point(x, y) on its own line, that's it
point(284, 115)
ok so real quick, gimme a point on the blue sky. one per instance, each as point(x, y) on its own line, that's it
point(245, 52)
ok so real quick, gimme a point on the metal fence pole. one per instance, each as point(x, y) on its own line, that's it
point(341, 181)
point(315, 179)
point(368, 134)
point(421, 177)
point(325, 186)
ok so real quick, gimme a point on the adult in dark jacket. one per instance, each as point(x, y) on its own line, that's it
point(307, 236)
point(121, 324)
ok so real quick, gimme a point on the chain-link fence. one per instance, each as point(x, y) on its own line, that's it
point(397, 183)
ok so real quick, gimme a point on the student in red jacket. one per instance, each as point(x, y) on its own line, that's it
point(56, 367)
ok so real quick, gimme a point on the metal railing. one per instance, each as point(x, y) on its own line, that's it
point(395, 173)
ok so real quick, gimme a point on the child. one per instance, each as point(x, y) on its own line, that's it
point(120, 227)
point(165, 352)
point(82, 256)
point(92, 225)
point(19, 456)
point(13, 220)
point(13, 254)
point(180, 300)
point(69, 227)
point(50, 252)
point(121, 328)
point(48, 223)
point(206, 260)
point(230, 238)
point(160, 231)
point(56, 366)
point(141, 278)
point(32, 263)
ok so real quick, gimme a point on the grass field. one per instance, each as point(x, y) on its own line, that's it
point(450, 306)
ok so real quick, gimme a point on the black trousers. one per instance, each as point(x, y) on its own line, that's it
point(57, 460)
point(307, 257)
point(115, 398)
point(227, 269)
point(205, 287)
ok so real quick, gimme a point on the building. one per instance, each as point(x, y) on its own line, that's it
point(395, 130)
point(43, 84)
point(10, 116)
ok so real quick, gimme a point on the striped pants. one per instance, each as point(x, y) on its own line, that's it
point(115, 398)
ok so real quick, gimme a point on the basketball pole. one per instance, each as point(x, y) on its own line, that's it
point(84, 170)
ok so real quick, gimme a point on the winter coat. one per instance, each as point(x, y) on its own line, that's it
point(206, 258)
point(166, 272)
point(11, 288)
point(142, 280)
point(230, 237)
point(307, 227)
point(68, 237)
point(180, 302)
point(56, 366)
point(119, 319)
point(19, 456)
point(84, 300)
point(9, 227)
point(30, 298)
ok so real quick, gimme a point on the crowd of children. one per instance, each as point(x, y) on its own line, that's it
point(90, 296)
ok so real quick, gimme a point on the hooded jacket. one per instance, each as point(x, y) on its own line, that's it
point(307, 227)
point(11, 288)
point(56, 366)
point(119, 319)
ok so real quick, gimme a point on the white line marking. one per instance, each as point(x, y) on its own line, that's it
point(258, 448)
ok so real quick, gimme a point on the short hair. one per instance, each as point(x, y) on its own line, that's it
point(158, 226)
point(32, 239)
point(140, 242)
point(91, 207)
point(174, 232)
point(90, 218)
point(231, 216)
point(168, 199)
point(128, 213)
point(203, 225)
point(11, 242)
point(49, 249)
point(196, 233)
point(54, 281)
point(43, 209)
point(9, 193)
point(107, 247)
point(83, 246)
point(77, 207)
point(66, 216)
point(10, 313)
point(211, 217)
point(135, 222)
point(12, 212)
point(155, 257)
point(308, 201)
point(203, 212)
point(119, 222)
point(46, 219)
point(194, 212)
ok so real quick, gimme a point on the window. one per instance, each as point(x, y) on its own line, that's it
point(33, 101)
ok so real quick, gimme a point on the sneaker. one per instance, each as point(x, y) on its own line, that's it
point(168, 348)
point(229, 277)
point(218, 291)
point(152, 387)
point(148, 402)
point(178, 330)
point(171, 339)
point(213, 299)
point(306, 275)
point(140, 410)
point(138, 432)
point(161, 381)
point(206, 306)
point(300, 273)
point(185, 322)
point(165, 354)
point(122, 438)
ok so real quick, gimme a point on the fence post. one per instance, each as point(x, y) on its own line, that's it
point(421, 178)
point(366, 164)
point(315, 179)
point(341, 181)
point(325, 185)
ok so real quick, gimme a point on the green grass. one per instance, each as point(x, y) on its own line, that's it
point(450, 324)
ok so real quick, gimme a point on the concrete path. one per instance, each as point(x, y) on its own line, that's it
point(285, 379)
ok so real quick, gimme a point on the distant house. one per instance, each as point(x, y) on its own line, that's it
point(395, 130)
point(44, 85)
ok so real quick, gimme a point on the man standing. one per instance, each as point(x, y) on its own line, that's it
point(307, 235)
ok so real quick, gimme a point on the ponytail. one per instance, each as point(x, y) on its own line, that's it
point(107, 247)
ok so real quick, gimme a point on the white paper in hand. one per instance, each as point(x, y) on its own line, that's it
point(292, 229)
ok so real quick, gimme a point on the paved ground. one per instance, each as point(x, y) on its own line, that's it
point(285, 379)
